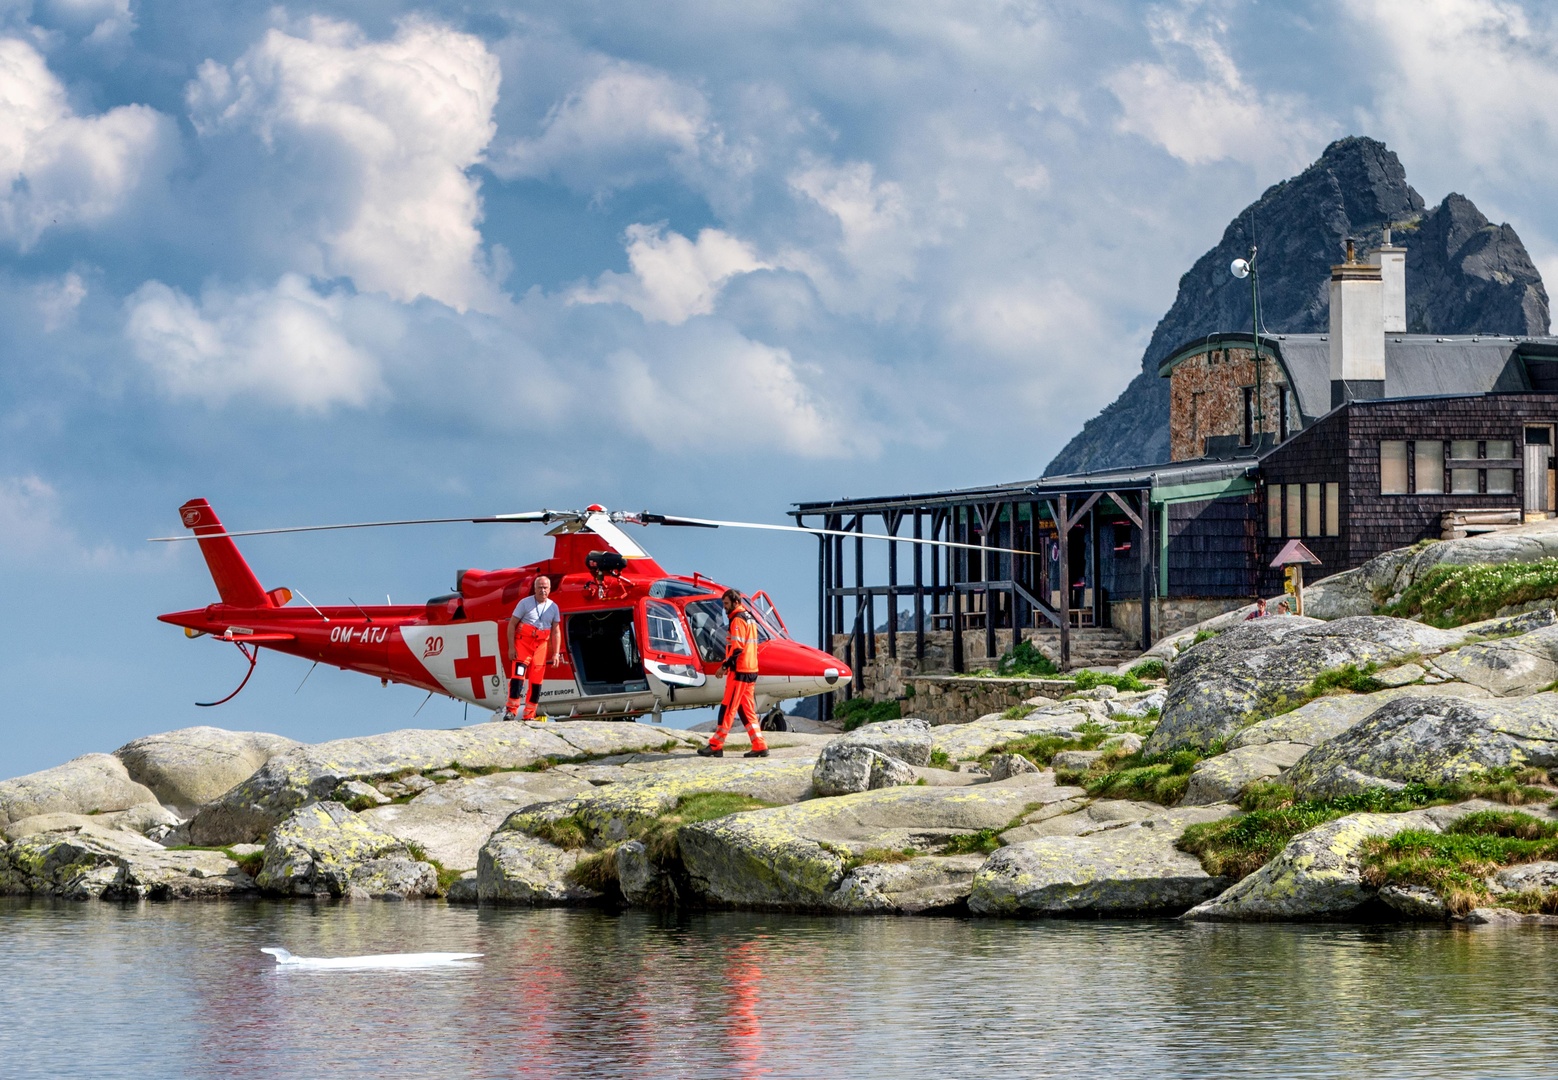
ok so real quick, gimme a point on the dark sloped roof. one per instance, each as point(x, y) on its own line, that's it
point(1415, 365)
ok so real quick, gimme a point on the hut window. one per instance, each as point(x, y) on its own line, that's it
point(1501, 481)
point(1247, 436)
point(1295, 509)
point(1392, 468)
point(1333, 509)
point(1274, 511)
point(1428, 463)
point(1463, 481)
point(1311, 509)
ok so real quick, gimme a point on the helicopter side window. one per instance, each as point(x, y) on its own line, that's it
point(711, 629)
point(665, 630)
point(671, 589)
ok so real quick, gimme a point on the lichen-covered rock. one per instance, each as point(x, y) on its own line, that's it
point(1005, 765)
point(973, 740)
point(1527, 876)
point(1075, 761)
point(1327, 717)
point(357, 795)
point(1432, 740)
point(1509, 667)
point(643, 884)
point(794, 857)
point(89, 784)
point(844, 770)
point(151, 820)
point(1499, 916)
point(463, 889)
point(1125, 868)
point(514, 868)
point(907, 740)
point(451, 821)
point(324, 849)
point(1217, 686)
point(192, 766)
point(1415, 902)
point(921, 885)
point(1319, 873)
point(1220, 779)
point(87, 863)
point(888, 772)
point(607, 814)
point(311, 773)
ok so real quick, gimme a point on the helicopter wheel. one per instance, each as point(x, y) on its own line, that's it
point(774, 720)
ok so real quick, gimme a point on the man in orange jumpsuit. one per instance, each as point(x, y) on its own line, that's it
point(537, 635)
point(740, 667)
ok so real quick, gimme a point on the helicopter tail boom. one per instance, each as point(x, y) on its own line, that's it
point(235, 582)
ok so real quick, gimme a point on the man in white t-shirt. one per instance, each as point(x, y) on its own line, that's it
point(537, 639)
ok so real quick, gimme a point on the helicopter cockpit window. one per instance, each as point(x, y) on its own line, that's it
point(711, 629)
point(671, 589)
point(665, 629)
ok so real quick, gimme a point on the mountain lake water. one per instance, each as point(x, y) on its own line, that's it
point(181, 990)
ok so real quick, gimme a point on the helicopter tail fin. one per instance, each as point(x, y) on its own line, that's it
point(235, 582)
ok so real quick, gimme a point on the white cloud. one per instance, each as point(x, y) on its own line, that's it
point(1468, 86)
point(1197, 106)
point(57, 168)
point(285, 345)
point(673, 278)
point(32, 526)
point(627, 124)
point(400, 121)
point(59, 299)
point(102, 22)
point(726, 378)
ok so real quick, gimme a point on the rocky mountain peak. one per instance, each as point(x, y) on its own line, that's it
point(1464, 275)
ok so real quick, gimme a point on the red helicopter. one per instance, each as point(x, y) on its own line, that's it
point(636, 639)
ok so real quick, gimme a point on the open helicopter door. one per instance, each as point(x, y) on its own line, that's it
point(667, 647)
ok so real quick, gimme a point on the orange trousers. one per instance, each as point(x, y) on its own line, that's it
point(739, 697)
point(531, 646)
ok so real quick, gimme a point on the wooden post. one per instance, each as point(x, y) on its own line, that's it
point(894, 518)
point(919, 590)
point(1063, 528)
point(1298, 588)
point(1148, 579)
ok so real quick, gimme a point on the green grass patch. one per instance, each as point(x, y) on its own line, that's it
point(1449, 596)
point(873, 856)
point(1026, 661)
point(1347, 679)
point(1202, 635)
point(1042, 747)
point(857, 711)
point(1085, 680)
point(249, 863)
point(984, 841)
point(1016, 712)
point(569, 833)
point(1150, 669)
point(1237, 847)
point(1159, 778)
point(940, 759)
point(1454, 863)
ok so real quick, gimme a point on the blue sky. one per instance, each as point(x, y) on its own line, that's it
point(331, 262)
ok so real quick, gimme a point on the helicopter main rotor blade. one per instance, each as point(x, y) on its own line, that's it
point(520, 518)
point(711, 523)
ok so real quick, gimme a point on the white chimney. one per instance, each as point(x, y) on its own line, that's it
point(1357, 330)
point(1392, 262)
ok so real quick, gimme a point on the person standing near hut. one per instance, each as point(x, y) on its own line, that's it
point(740, 669)
point(537, 637)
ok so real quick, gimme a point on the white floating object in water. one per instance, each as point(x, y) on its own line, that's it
point(383, 960)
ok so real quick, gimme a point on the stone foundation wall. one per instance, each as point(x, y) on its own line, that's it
point(950, 700)
point(884, 677)
point(1169, 615)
